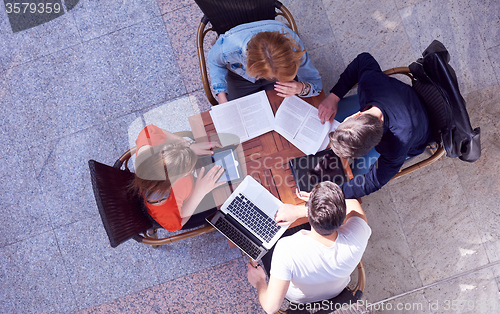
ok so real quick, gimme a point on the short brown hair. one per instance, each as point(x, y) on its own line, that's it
point(159, 167)
point(356, 136)
point(326, 208)
point(273, 56)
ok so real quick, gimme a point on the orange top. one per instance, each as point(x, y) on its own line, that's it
point(166, 214)
point(150, 135)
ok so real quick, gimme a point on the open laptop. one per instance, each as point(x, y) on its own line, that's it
point(247, 218)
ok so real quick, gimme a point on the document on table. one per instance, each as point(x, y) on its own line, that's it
point(298, 122)
point(247, 117)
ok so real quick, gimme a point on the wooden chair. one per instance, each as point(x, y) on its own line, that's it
point(226, 14)
point(348, 295)
point(122, 212)
point(436, 146)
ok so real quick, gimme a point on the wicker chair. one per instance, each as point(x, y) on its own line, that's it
point(226, 14)
point(123, 213)
point(435, 119)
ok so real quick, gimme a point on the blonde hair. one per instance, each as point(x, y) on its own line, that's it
point(273, 55)
point(159, 167)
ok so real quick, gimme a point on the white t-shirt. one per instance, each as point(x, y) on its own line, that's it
point(317, 272)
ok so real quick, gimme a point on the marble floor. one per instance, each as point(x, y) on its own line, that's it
point(80, 87)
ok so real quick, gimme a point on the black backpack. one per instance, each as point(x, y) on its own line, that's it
point(436, 83)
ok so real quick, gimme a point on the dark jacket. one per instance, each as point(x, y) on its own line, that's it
point(437, 84)
point(406, 126)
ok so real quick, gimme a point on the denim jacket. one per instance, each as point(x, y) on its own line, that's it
point(229, 52)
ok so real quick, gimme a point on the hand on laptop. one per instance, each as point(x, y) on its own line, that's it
point(288, 213)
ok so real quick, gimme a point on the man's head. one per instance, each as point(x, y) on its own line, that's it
point(356, 136)
point(273, 56)
point(326, 208)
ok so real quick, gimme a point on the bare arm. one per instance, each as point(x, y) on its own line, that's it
point(354, 209)
point(288, 213)
point(222, 97)
point(270, 296)
point(328, 108)
point(202, 148)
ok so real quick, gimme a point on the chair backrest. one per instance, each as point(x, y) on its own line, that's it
point(120, 209)
point(226, 14)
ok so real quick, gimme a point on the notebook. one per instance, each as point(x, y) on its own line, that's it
point(311, 169)
point(247, 218)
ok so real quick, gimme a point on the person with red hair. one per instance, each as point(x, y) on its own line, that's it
point(261, 55)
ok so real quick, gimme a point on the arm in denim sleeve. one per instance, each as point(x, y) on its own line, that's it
point(379, 174)
point(217, 68)
point(353, 72)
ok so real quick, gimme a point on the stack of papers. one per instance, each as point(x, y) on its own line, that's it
point(296, 120)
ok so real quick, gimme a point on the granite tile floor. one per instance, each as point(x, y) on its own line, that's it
point(81, 87)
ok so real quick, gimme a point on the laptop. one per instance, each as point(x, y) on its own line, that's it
point(247, 218)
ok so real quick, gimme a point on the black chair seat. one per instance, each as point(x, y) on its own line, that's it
point(120, 209)
point(226, 14)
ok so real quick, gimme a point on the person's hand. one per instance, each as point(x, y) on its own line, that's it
point(204, 148)
point(288, 213)
point(287, 89)
point(222, 97)
point(255, 275)
point(302, 195)
point(208, 182)
point(328, 108)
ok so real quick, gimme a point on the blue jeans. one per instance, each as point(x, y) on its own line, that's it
point(349, 106)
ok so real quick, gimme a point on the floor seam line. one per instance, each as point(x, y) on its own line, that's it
point(439, 282)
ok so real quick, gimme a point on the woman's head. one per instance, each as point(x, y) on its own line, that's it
point(158, 167)
point(273, 56)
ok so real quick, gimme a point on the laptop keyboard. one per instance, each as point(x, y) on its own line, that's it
point(255, 219)
point(240, 240)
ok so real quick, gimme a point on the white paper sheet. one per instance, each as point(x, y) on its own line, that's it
point(298, 122)
point(246, 117)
